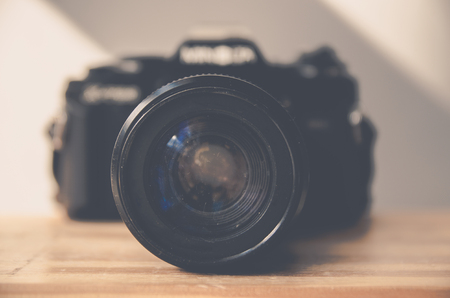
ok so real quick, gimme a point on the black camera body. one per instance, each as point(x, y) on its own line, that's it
point(301, 134)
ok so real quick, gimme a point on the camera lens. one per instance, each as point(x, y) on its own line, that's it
point(208, 170)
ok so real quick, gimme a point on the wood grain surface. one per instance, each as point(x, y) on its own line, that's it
point(392, 255)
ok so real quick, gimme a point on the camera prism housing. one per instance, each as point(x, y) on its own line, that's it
point(222, 156)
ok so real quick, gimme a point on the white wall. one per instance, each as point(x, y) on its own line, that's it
point(39, 50)
point(398, 50)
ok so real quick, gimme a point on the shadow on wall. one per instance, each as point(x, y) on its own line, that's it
point(413, 148)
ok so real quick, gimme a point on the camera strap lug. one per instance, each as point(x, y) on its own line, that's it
point(57, 131)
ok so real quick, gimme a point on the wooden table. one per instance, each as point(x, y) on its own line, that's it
point(396, 255)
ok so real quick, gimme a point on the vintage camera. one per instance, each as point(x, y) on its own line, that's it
point(211, 153)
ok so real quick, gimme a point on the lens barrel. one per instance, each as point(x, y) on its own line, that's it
point(208, 170)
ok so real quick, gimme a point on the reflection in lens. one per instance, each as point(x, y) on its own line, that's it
point(209, 176)
point(212, 172)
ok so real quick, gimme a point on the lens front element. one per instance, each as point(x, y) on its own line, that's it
point(210, 176)
point(212, 173)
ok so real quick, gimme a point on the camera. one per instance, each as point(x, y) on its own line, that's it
point(211, 154)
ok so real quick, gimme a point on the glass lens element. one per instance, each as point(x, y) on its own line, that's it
point(210, 176)
point(212, 172)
